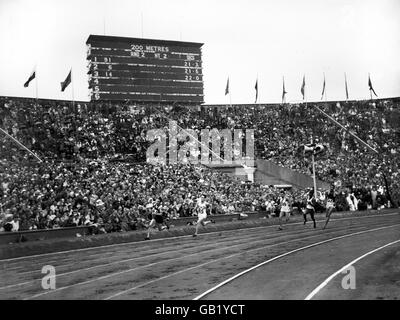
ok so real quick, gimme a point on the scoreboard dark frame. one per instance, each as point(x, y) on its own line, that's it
point(144, 70)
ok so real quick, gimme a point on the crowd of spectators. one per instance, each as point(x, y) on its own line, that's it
point(95, 169)
point(116, 195)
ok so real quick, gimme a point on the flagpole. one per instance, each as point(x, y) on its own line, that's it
point(370, 85)
point(36, 89)
point(313, 168)
point(283, 90)
point(36, 85)
point(313, 160)
point(346, 129)
point(20, 144)
point(230, 97)
point(72, 87)
point(326, 99)
point(256, 89)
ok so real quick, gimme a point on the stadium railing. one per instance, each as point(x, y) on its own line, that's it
point(45, 234)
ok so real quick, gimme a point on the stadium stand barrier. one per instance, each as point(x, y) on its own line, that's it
point(68, 232)
point(45, 234)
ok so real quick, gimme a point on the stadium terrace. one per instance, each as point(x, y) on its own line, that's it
point(94, 169)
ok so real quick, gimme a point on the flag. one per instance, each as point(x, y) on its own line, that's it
point(312, 148)
point(370, 86)
point(66, 82)
point(303, 86)
point(31, 77)
point(319, 149)
point(323, 88)
point(227, 87)
point(256, 87)
point(345, 84)
point(308, 149)
point(283, 91)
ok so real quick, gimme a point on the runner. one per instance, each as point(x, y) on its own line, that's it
point(201, 214)
point(269, 207)
point(330, 204)
point(157, 219)
point(285, 210)
point(310, 207)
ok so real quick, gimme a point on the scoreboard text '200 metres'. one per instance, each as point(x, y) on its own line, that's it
point(144, 69)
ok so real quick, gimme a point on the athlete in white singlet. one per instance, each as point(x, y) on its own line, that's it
point(201, 208)
point(330, 205)
point(285, 210)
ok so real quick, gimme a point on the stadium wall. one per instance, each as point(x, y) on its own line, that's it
point(71, 232)
point(269, 173)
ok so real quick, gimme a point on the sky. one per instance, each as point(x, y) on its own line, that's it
point(243, 40)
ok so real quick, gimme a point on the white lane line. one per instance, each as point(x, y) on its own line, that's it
point(173, 259)
point(193, 246)
point(236, 254)
point(183, 236)
point(327, 280)
point(283, 255)
point(248, 237)
point(230, 243)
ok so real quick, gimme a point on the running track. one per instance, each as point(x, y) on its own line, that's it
point(253, 263)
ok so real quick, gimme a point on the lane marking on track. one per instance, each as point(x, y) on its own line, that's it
point(173, 259)
point(195, 246)
point(327, 280)
point(283, 255)
point(209, 262)
point(249, 236)
point(183, 236)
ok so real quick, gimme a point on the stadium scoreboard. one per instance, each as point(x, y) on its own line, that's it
point(145, 70)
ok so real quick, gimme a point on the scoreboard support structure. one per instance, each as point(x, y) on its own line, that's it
point(144, 70)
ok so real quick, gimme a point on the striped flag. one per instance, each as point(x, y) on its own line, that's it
point(31, 77)
point(303, 86)
point(66, 82)
point(370, 86)
point(227, 87)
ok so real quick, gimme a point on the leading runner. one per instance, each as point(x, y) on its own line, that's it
point(201, 208)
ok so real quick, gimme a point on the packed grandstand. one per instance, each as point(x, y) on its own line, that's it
point(94, 169)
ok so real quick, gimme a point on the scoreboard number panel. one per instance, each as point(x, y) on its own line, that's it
point(137, 69)
point(104, 75)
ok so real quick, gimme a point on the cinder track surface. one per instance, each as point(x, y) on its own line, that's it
point(186, 267)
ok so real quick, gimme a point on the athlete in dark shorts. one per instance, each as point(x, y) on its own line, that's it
point(157, 219)
point(310, 207)
point(330, 205)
